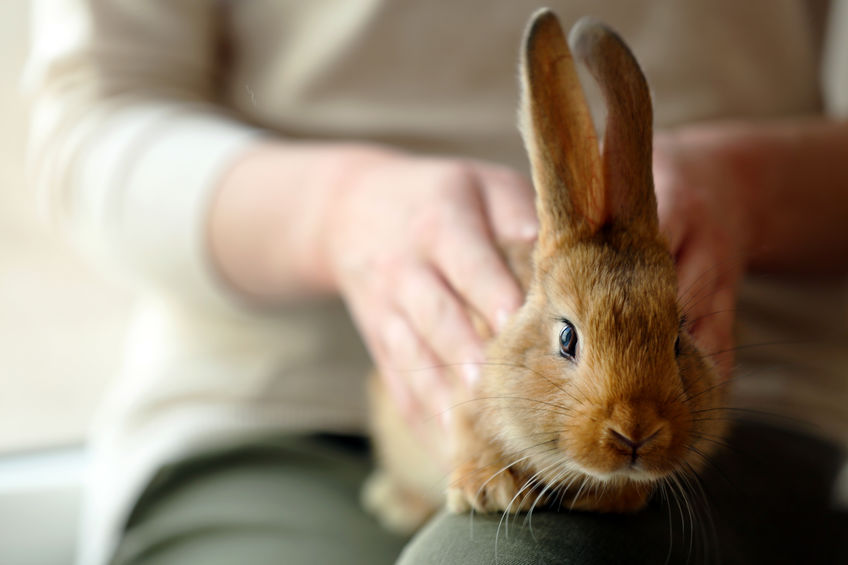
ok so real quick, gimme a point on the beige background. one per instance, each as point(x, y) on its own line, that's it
point(61, 324)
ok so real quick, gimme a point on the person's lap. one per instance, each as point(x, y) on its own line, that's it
point(280, 500)
point(296, 501)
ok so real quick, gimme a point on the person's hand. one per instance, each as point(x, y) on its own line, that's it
point(412, 245)
point(703, 214)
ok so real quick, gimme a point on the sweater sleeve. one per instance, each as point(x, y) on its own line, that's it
point(127, 143)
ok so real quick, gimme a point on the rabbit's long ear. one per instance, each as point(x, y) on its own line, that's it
point(628, 132)
point(560, 137)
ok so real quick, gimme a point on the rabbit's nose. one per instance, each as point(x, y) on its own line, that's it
point(632, 444)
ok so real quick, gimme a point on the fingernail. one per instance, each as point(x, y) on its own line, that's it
point(501, 318)
point(529, 232)
point(471, 373)
point(445, 418)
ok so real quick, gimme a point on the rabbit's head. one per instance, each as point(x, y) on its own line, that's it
point(597, 381)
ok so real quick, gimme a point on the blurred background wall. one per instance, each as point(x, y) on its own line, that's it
point(61, 332)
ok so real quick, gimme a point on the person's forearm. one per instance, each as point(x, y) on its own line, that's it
point(266, 223)
point(794, 179)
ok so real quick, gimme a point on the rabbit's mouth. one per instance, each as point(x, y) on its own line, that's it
point(634, 472)
point(614, 462)
point(637, 471)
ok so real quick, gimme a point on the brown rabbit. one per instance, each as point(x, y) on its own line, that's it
point(591, 395)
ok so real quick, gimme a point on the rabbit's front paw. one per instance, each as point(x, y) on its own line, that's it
point(399, 510)
point(488, 488)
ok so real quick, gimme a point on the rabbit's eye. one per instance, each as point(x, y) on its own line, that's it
point(568, 340)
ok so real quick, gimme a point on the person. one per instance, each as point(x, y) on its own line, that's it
point(278, 178)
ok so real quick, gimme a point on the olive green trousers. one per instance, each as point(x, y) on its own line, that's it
point(295, 500)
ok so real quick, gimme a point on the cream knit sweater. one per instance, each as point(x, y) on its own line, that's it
point(139, 107)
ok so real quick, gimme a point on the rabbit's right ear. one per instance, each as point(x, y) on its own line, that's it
point(628, 134)
point(560, 138)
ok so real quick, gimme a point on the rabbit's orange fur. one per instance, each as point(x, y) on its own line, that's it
point(542, 426)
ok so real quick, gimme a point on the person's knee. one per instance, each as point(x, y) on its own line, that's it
point(467, 539)
point(551, 537)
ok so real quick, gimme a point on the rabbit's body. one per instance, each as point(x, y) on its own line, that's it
point(594, 391)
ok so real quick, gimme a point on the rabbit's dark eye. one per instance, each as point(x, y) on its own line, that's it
point(677, 347)
point(568, 340)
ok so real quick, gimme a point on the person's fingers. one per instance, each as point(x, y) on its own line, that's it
point(510, 203)
point(697, 277)
point(714, 332)
point(672, 218)
point(705, 242)
point(707, 296)
point(467, 257)
point(409, 369)
point(440, 318)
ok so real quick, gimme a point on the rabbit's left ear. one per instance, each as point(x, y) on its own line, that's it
point(560, 138)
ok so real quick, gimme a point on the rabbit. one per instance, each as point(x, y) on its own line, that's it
point(594, 392)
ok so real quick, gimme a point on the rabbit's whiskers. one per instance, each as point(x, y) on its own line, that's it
point(710, 388)
point(549, 486)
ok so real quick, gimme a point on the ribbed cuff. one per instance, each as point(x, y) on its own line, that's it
point(157, 188)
